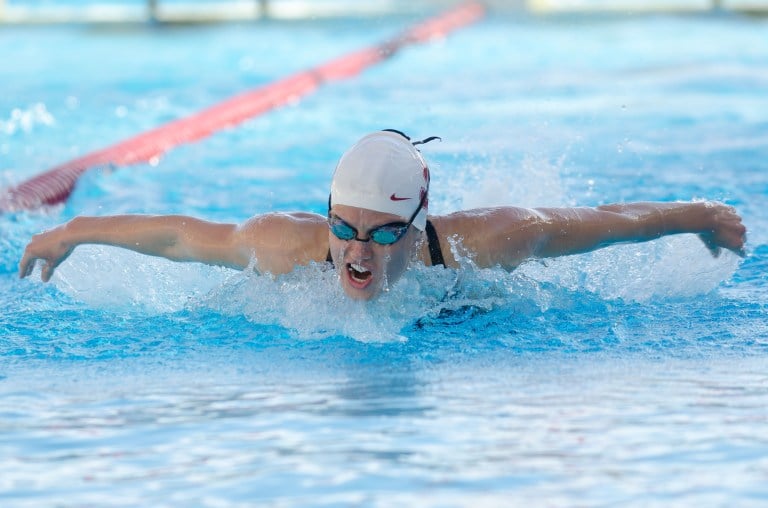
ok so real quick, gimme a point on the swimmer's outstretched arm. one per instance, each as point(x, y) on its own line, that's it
point(718, 225)
point(277, 241)
point(507, 236)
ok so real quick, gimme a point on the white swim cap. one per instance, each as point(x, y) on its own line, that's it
point(385, 173)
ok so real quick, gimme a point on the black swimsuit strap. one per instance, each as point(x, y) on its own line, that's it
point(435, 252)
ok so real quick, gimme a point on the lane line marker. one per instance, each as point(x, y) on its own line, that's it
point(55, 185)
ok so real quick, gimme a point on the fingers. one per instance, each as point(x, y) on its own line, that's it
point(728, 231)
point(25, 266)
point(738, 239)
point(47, 272)
point(711, 245)
point(730, 235)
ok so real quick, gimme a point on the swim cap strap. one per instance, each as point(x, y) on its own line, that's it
point(414, 143)
point(397, 132)
point(426, 140)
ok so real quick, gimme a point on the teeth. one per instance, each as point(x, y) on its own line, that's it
point(358, 272)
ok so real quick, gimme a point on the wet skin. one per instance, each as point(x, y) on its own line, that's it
point(367, 268)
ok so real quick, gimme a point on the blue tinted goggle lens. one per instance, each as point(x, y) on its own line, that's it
point(383, 235)
point(387, 235)
point(342, 230)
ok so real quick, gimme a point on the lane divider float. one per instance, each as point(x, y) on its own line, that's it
point(55, 185)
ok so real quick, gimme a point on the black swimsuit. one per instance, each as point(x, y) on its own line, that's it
point(435, 252)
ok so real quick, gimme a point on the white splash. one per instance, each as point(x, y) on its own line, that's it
point(25, 120)
point(108, 277)
point(310, 301)
point(498, 181)
point(671, 267)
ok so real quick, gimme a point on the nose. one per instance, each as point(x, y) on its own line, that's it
point(359, 248)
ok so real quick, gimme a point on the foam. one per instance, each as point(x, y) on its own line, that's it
point(310, 302)
point(671, 267)
point(118, 279)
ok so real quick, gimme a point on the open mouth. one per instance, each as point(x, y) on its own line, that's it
point(358, 274)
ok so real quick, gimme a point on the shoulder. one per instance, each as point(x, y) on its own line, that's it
point(281, 240)
point(477, 223)
point(490, 236)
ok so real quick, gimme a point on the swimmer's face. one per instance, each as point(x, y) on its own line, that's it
point(366, 268)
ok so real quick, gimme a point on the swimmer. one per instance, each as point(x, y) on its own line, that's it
point(378, 223)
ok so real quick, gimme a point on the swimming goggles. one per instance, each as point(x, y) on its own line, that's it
point(386, 234)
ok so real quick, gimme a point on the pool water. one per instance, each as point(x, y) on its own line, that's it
point(634, 375)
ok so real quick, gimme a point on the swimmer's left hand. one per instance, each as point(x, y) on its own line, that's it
point(724, 230)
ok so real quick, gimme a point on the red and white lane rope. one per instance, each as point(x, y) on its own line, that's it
point(55, 185)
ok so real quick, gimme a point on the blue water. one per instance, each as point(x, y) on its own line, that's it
point(635, 375)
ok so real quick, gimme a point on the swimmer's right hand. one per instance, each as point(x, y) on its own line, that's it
point(50, 247)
